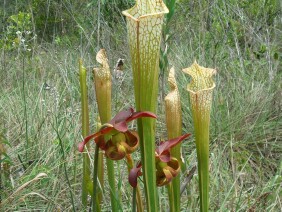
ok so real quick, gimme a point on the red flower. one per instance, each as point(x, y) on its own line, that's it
point(163, 150)
point(114, 137)
point(167, 167)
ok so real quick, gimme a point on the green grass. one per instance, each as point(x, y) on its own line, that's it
point(241, 42)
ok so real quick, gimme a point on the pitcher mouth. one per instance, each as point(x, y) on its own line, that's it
point(137, 17)
point(201, 78)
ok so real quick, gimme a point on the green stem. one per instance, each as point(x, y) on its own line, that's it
point(111, 179)
point(140, 207)
point(95, 206)
point(147, 146)
point(202, 145)
point(85, 132)
point(101, 176)
point(171, 199)
point(174, 192)
point(110, 170)
point(134, 200)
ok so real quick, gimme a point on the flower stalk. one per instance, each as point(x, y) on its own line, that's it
point(95, 197)
point(201, 89)
point(100, 173)
point(144, 24)
point(174, 129)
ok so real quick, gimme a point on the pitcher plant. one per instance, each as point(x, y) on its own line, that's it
point(85, 131)
point(201, 89)
point(174, 129)
point(103, 90)
point(144, 25)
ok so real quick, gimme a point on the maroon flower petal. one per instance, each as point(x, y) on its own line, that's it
point(119, 121)
point(86, 140)
point(165, 157)
point(121, 127)
point(106, 129)
point(167, 145)
point(132, 141)
point(142, 114)
point(134, 174)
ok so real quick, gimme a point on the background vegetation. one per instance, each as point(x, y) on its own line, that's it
point(41, 42)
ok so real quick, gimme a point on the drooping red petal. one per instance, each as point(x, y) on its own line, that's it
point(132, 141)
point(167, 145)
point(141, 114)
point(134, 174)
point(86, 140)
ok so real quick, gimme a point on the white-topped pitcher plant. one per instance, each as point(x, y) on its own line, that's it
point(144, 25)
point(201, 89)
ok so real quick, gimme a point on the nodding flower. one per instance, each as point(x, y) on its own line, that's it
point(114, 137)
point(167, 167)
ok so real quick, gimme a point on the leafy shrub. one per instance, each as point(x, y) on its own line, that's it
point(18, 32)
